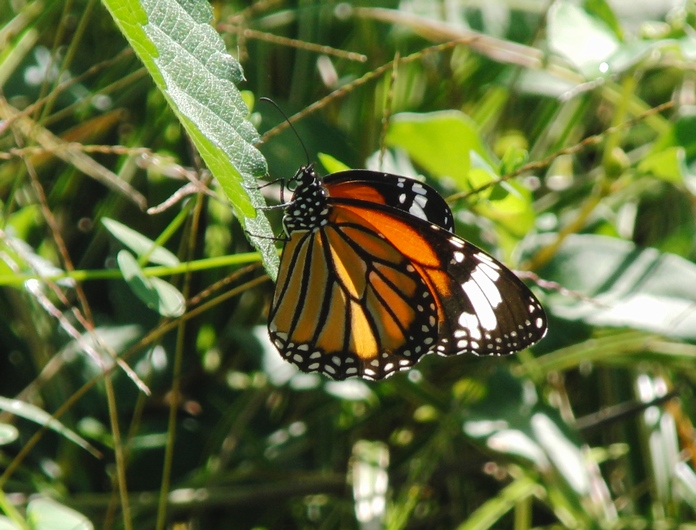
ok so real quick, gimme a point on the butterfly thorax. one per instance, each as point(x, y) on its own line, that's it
point(309, 208)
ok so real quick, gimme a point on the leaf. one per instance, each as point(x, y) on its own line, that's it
point(331, 164)
point(583, 40)
point(7, 524)
point(668, 165)
point(8, 433)
point(510, 206)
point(513, 159)
point(33, 413)
point(47, 514)
point(439, 142)
point(490, 513)
point(20, 256)
point(188, 62)
point(140, 244)
point(601, 10)
point(512, 420)
point(157, 294)
point(629, 287)
point(631, 53)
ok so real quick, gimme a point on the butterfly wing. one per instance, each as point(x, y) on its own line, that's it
point(372, 278)
point(349, 303)
point(482, 307)
point(402, 193)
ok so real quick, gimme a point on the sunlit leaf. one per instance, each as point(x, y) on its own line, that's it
point(604, 12)
point(512, 420)
point(667, 165)
point(20, 256)
point(7, 524)
point(488, 515)
point(43, 418)
point(187, 60)
point(8, 433)
point(331, 164)
point(140, 244)
point(583, 40)
point(47, 514)
point(157, 294)
point(627, 286)
point(440, 142)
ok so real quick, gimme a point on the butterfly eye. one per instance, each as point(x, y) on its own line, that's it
point(372, 279)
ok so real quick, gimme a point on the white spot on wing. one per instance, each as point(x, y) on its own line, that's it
point(418, 188)
point(469, 322)
point(417, 211)
point(488, 286)
point(479, 300)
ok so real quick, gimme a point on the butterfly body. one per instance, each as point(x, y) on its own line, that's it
point(372, 279)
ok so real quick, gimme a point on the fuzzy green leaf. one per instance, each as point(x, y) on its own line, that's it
point(188, 62)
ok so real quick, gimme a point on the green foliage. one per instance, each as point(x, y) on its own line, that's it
point(178, 45)
point(139, 388)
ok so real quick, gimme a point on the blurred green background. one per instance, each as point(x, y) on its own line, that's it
point(133, 305)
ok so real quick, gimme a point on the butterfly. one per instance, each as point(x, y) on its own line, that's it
point(372, 278)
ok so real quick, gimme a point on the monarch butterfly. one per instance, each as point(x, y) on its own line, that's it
point(372, 278)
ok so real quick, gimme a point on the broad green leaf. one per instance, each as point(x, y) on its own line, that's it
point(603, 11)
point(631, 287)
point(510, 206)
point(512, 420)
point(41, 417)
point(47, 514)
point(118, 338)
point(331, 164)
point(140, 244)
point(157, 294)
point(439, 142)
point(481, 173)
point(583, 40)
point(508, 203)
point(667, 165)
point(394, 161)
point(188, 62)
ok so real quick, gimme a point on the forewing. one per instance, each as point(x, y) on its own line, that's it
point(403, 193)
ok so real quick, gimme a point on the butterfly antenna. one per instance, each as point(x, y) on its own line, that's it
point(269, 100)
